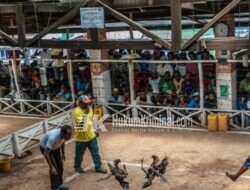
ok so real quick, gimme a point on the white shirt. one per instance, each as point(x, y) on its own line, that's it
point(154, 84)
point(52, 140)
point(162, 69)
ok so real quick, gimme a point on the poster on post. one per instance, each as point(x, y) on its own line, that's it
point(92, 17)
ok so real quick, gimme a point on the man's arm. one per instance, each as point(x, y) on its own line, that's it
point(51, 167)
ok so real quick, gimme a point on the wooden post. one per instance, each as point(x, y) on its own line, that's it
point(176, 24)
point(14, 68)
point(201, 85)
point(131, 79)
point(71, 80)
point(20, 19)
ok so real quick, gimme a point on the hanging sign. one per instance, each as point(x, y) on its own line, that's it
point(92, 17)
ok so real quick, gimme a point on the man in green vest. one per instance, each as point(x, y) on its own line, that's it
point(85, 135)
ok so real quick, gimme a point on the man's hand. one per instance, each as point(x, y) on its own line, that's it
point(97, 134)
point(53, 171)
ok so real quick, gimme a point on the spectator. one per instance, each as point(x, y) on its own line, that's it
point(192, 68)
point(82, 85)
point(212, 85)
point(155, 99)
point(53, 87)
point(162, 68)
point(171, 57)
point(210, 101)
point(122, 85)
point(195, 101)
point(245, 85)
point(64, 94)
point(126, 98)
point(177, 82)
point(171, 100)
point(143, 99)
point(166, 83)
point(58, 64)
point(188, 85)
point(144, 67)
point(154, 82)
point(115, 98)
point(36, 84)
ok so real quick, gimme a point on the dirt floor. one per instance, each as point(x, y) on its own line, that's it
point(9, 124)
point(198, 161)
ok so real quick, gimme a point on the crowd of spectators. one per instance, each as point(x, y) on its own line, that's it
point(46, 79)
point(168, 84)
point(164, 84)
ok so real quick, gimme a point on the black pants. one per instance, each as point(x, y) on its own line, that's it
point(56, 160)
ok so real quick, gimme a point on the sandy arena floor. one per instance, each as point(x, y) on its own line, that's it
point(10, 124)
point(198, 161)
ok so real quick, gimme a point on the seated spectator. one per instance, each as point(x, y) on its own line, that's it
point(212, 85)
point(143, 99)
point(36, 84)
point(115, 98)
point(155, 99)
point(162, 68)
point(126, 98)
point(123, 85)
point(82, 85)
point(210, 101)
point(171, 100)
point(64, 94)
point(58, 64)
point(177, 80)
point(195, 101)
point(154, 82)
point(192, 68)
point(166, 83)
point(144, 67)
point(53, 87)
point(188, 85)
point(245, 85)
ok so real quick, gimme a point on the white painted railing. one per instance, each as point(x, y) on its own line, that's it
point(20, 141)
point(33, 107)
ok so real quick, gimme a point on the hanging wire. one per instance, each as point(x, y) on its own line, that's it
point(37, 26)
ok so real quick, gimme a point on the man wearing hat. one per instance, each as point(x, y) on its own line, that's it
point(195, 101)
point(85, 135)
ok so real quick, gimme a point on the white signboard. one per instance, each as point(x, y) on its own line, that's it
point(92, 17)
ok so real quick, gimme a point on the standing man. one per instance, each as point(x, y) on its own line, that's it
point(52, 147)
point(85, 135)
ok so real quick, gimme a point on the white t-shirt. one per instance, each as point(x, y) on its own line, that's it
point(162, 69)
point(52, 140)
point(154, 84)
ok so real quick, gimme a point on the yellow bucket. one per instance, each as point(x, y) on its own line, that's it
point(98, 111)
point(212, 122)
point(223, 119)
point(5, 165)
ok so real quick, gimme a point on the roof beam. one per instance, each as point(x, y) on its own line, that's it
point(59, 22)
point(8, 38)
point(135, 25)
point(229, 7)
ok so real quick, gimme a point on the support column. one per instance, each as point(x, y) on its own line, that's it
point(226, 85)
point(176, 25)
point(71, 80)
point(20, 20)
point(201, 82)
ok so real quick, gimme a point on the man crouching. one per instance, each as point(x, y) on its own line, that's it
point(52, 147)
